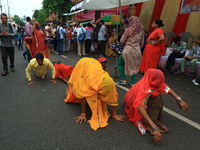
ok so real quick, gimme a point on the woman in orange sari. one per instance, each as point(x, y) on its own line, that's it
point(90, 84)
point(38, 41)
point(154, 47)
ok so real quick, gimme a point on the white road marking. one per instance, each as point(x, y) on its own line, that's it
point(186, 120)
point(62, 55)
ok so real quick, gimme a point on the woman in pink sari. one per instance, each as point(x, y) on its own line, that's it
point(38, 41)
point(155, 47)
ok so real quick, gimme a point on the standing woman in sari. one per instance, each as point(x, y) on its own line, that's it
point(129, 61)
point(39, 44)
point(155, 47)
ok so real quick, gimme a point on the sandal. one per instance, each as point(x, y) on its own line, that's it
point(4, 73)
point(121, 83)
point(12, 69)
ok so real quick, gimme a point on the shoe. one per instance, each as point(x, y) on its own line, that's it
point(191, 75)
point(4, 73)
point(121, 83)
point(195, 82)
point(12, 69)
point(179, 73)
point(141, 128)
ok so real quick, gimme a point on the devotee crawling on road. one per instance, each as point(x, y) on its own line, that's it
point(144, 103)
point(90, 84)
point(63, 71)
point(103, 62)
point(39, 66)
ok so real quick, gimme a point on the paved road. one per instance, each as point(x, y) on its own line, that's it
point(37, 118)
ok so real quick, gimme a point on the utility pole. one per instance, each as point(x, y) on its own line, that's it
point(8, 12)
point(0, 6)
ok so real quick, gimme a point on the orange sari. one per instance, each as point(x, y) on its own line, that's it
point(63, 71)
point(87, 81)
point(152, 52)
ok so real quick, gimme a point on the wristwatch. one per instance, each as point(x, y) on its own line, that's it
point(179, 99)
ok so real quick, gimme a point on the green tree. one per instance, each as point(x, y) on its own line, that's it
point(40, 16)
point(18, 20)
point(35, 14)
point(57, 6)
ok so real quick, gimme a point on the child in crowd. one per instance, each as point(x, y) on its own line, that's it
point(28, 44)
point(69, 36)
point(19, 39)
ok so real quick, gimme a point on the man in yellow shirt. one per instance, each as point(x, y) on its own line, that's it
point(39, 66)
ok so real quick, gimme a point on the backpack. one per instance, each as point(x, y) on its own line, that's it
point(81, 37)
point(10, 26)
point(57, 34)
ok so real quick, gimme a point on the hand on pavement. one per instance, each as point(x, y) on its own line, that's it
point(53, 81)
point(119, 117)
point(184, 106)
point(157, 136)
point(30, 83)
point(80, 119)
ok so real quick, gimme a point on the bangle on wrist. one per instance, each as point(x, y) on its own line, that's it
point(179, 100)
point(115, 116)
point(156, 128)
point(82, 114)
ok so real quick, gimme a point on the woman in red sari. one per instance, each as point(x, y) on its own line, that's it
point(154, 47)
point(144, 103)
point(38, 41)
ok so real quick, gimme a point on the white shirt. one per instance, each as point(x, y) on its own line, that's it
point(102, 33)
point(79, 31)
point(61, 31)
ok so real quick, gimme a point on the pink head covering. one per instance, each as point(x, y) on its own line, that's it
point(134, 26)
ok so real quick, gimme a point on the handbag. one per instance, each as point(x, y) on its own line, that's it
point(117, 48)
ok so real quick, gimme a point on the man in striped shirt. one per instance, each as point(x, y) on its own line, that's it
point(7, 34)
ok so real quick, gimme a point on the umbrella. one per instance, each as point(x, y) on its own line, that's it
point(112, 20)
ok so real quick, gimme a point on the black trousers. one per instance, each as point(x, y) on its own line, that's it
point(171, 59)
point(7, 51)
point(102, 47)
point(87, 46)
point(55, 44)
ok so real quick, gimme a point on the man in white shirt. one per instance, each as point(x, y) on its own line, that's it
point(102, 37)
point(81, 45)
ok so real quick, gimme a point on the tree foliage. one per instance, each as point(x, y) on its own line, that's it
point(18, 20)
point(57, 6)
point(40, 16)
